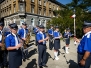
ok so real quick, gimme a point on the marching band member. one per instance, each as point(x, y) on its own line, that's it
point(41, 39)
point(50, 32)
point(6, 31)
point(1, 44)
point(22, 33)
point(84, 47)
point(36, 30)
point(13, 46)
point(67, 36)
point(57, 37)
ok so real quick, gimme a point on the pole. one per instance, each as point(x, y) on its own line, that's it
point(74, 27)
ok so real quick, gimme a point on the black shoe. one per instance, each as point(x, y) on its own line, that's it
point(28, 59)
point(24, 60)
point(40, 67)
point(45, 65)
point(6, 67)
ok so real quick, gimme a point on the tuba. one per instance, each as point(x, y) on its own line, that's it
point(27, 41)
point(3, 42)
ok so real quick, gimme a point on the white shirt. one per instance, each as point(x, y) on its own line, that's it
point(0, 35)
point(16, 39)
point(44, 42)
point(24, 33)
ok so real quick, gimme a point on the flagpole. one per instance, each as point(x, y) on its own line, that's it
point(75, 27)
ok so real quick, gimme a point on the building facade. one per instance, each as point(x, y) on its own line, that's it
point(33, 12)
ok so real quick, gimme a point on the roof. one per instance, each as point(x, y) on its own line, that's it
point(58, 3)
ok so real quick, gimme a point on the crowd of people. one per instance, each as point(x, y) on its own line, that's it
point(12, 43)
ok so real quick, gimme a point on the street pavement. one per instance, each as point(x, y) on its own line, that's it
point(65, 60)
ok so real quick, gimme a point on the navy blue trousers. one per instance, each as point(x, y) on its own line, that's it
point(50, 42)
point(88, 61)
point(42, 55)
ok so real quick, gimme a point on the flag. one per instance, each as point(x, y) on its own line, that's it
point(73, 16)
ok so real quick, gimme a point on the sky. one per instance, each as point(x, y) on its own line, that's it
point(64, 1)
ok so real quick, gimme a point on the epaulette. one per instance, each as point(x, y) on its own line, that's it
point(8, 35)
point(88, 35)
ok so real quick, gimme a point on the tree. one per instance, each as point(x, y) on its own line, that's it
point(82, 14)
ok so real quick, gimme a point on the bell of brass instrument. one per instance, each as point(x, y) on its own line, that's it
point(27, 41)
point(3, 43)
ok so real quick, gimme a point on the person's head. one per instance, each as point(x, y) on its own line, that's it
point(41, 28)
point(14, 28)
point(1, 25)
point(86, 27)
point(37, 26)
point(51, 26)
point(24, 25)
point(67, 30)
point(57, 28)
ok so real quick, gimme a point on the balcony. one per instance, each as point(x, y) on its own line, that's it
point(32, 0)
point(21, 1)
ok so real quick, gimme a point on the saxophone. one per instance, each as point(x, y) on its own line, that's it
point(27, 41)
point(3, 42)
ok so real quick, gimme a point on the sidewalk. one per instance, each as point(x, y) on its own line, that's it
point(65, 61)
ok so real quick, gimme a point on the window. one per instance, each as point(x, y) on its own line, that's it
point(44, 3)
point(14, 20)
point(39, 22)
point(53, 7)
point(32, 0)
point(57, 7)
point(39, 11)
point(10, 10)
point(50, 5)
point(32, 9)
point(32, 22)
point(21, 7)
point(14, 8)
point(50, 13)
point(39, 2)
point(44, 12)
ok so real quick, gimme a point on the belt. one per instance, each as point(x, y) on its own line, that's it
point(80, 53)
point(42, 44)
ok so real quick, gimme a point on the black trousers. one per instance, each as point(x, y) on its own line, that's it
point(50, 42)
point(88, 61)
point(42, 55)
point(3, 58)
point(5, 61)
point(36, 43)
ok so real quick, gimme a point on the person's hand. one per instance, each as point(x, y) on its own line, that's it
point(47, 38)
point(1, 44)
point(60, 37)
point(24, 38)
point(82, 62)
point(76, 39)
point(19, 45)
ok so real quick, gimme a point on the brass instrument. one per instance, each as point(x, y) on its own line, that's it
point(3, 43)
point(27, 41)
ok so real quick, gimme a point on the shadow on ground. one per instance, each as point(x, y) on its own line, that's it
point(32, 64)
point(32, 52)
point(48, 56)
point(72, 64)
